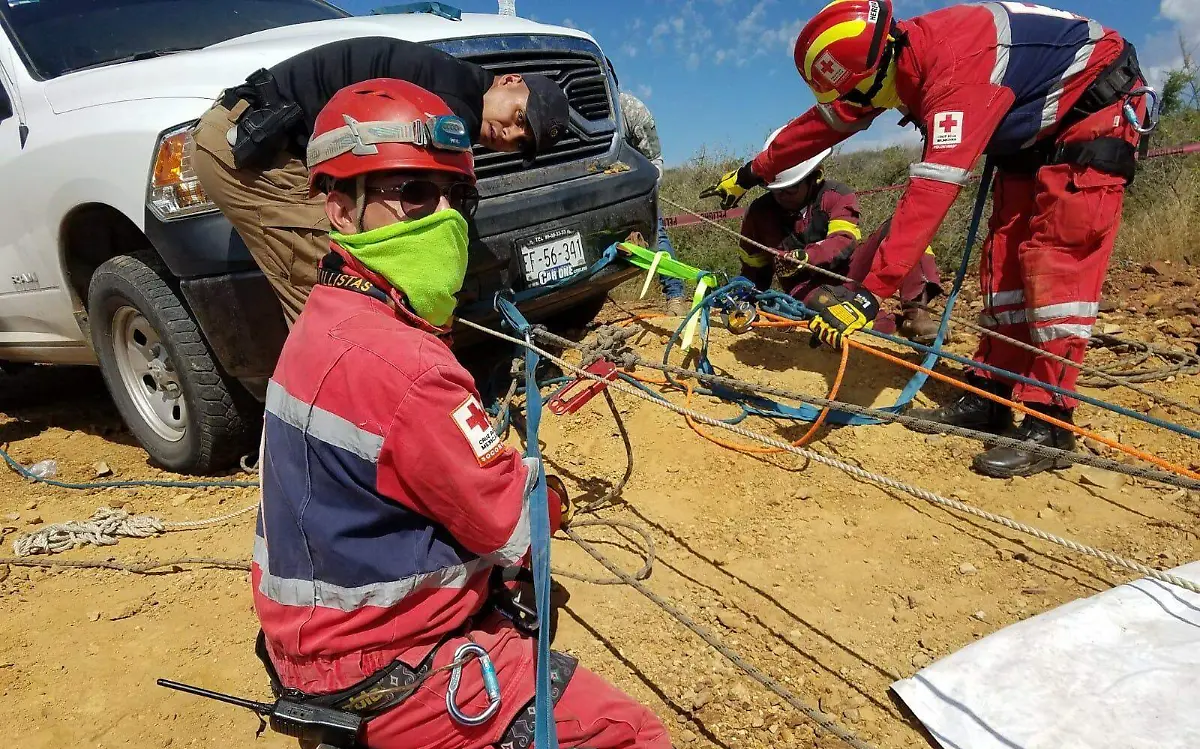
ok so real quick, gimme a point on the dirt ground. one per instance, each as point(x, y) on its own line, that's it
point(834, 586)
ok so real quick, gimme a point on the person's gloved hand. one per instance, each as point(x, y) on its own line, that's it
point(732, 186)
point(840, 312)
point(794, 246)
point(562, 510)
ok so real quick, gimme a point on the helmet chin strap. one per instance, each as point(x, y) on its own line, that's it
point(360, 200)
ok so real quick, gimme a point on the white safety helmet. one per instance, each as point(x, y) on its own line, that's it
point(791, 177)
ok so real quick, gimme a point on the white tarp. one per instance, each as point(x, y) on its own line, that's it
point(1118, 670)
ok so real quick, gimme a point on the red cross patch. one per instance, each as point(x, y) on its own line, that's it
point(947, 129)
point(827, 66)
point(473, 422)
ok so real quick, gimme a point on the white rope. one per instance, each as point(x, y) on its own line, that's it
point(104, 528)
point(875, 478)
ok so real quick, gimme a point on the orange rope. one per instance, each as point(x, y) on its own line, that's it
point(774, 321)
point(804, 440)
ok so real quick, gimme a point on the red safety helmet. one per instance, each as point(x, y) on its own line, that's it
point(842, 46)
point(386, 124)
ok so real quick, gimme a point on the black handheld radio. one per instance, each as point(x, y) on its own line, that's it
point(322, 725)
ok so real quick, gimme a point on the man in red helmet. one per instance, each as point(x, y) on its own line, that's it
point(389, 504)
point(248, 149)
point(1055, 100)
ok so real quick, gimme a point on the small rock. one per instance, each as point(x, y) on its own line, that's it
point(94, 616)
point(1179, 327)
point(1152, 300)
point(1108, 305)
point(980, 615)
point(1059, 505)
point(702, 699)
point(687, 737)
point(103, 470)
point(1047, 514)
point(918, 599)
point(732, 620)
point(14, 516)
point(802, 495)
point(921, 660)
point(181, 499)
point(4, 570)
point(758, 722)
point(1101, 478)
point(1111, 329)
point(830, 703)
point(966, 568)
point(1195, 321)
point(31, 506)
point(34, 520)
point(1021, 556)
point(934, 439)
point(1034, 591)
point(852, 715)
point(740, 693)
point(1187, 307)
point(1157, 268)
point(778, 650)
point(961, 495)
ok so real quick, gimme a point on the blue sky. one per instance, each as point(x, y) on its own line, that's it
point(719, 73)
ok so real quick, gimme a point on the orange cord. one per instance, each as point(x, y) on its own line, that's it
point(775, 321)
point(804, 440)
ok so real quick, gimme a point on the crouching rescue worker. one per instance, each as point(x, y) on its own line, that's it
point(249, 148)
point(388, 501)
point(1058, 101)
point(816, 221)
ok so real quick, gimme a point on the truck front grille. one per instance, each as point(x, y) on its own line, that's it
point(586, 84)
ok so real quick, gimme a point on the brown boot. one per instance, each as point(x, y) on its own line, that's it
point(918, 326)
point(677, 307)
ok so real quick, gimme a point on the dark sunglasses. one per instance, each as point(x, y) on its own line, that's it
point(417, 195)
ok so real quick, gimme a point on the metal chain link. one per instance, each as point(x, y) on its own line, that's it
point(923, 425)
point(1098, 373)
point(857, 472)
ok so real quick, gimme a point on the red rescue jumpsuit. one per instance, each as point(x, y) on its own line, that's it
point(387, 502)
point(829, 226)
point(997, 78)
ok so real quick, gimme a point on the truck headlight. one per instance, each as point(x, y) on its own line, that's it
point(174, 191)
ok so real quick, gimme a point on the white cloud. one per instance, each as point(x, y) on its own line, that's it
point(629, 50)
point(693, 60)
point(570, 23)
point(720, 56)
point(637, 24)
point(644, 91)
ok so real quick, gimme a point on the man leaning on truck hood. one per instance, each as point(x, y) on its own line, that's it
point(249, 151)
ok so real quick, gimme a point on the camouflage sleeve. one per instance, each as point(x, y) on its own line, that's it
point(640, 130)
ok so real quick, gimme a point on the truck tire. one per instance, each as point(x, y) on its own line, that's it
point(188, 415)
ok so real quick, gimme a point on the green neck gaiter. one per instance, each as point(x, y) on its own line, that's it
point(425, 259)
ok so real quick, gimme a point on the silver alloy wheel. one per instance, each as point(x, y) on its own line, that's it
point(148, 374)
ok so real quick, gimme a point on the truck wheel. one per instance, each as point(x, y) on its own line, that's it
point(184, 411)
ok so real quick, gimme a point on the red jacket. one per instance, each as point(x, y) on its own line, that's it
point(984, 78)
point(387, 497)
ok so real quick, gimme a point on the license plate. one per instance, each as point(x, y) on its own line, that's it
point(553, 259)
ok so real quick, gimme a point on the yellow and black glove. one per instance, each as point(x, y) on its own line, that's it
point(840, 312)
point(732, 186)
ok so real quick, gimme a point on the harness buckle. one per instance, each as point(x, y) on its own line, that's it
point(560, 403)
point(491, 685)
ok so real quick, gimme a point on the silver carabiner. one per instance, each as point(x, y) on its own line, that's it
point(1152, 109)
point(491, 685)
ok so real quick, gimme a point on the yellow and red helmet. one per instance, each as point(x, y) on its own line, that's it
point(842, 46)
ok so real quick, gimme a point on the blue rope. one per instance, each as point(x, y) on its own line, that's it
point(539, 529)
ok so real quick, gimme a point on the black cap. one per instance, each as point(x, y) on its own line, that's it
point(547, 111)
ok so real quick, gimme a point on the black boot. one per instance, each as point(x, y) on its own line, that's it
point(1006, 462)
point(971, 411)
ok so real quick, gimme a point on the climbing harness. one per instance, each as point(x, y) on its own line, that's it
point(491, 685)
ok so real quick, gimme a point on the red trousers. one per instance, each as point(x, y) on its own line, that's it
point(590, 713)
point(1049, 242)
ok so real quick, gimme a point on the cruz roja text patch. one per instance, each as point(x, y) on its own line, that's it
point(947, 129)
point(473, 422)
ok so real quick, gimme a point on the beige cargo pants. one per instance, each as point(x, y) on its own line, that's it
point(282, 226)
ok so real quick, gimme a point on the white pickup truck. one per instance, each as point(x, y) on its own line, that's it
point(111, 254)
